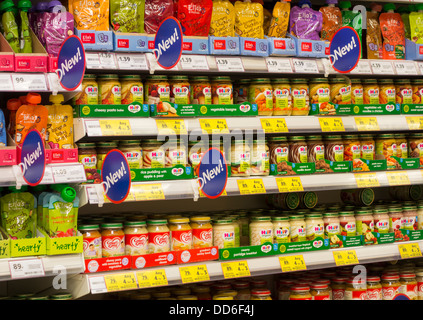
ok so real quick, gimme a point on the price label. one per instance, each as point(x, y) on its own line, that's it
point(345, 257)
point(145, 192)
point(235, 269)
point(330, 124)
point(382, 67)
point(113, 127)
point(274, 125)
point(363, 67)
point(367, 123)
point(29, 82)
point(405, 67)
point(414, 123)
point(251, 186)
point(121, 281)
point(169, 126)
point(6, 82)
point(67, 174)
point(366, 180)
point(107, 60)
point(194, 274)
point(201, 194)
point(93, 128)
point(211, 126)
point(27, 268)
point(409, 250)
point(152, 278)
point(92, 59)
point(97, 284)
point(289, 184)
point(305, 66)
point(132, 61)
point(292, 263)
point(194, 62)
point(398, 178)
point(229, 64)
point(278, 65)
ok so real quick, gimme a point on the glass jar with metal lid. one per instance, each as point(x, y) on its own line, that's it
point(132, 89)
point(92, 237)
point(390, 286)
point(136, 237)
point(298, 228)
point(315, 226)
point(298, 149)
point(113, 240)
point(334, 148)
point(180, 234)
point(315, 149)
point(260, 294)
point(132, 151)
point(282, 98)
point(386, 146)
point(347, 223)
point(338, 288)
point(260, 164)
point(308, 200)
point(356, 91)
point(176, 154)
point(395, 218)
point(87, 156)
point(201, 90)
point(157, 89)
point(158, 236)
point(409, 219)
point(368, 147)
point(300, 97)
point(320, 291)
point(386, 91)
point(320, 94)
point(89, 91)
point(415, 145)
point(237, 225)
point(370, 91)
point(409, 285)
point(240, 158)
point(355, 290)
point(180, 89)
point(404, 91)
point(417, 86)
point(374, 288)
point(202, 232)
point(332, 228)
point(364, 221)
point(381, 220)
point(260, 93)
point(222, 90)
point(300, 292)
point(402, 145)
point(153, 154)
point(352, 147)
point(287, 201)
point(223, 233)
point(358, 197)
point(281, 229)
point(279, 151)
point(241, 90)
point(109, 89)
point(340, 91)
point(103, 149)
point(261, 230)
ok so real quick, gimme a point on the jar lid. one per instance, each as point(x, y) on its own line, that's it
point(318, 80)
point(111, 225)
point(391, 276)
point(300, 80)
point(90, 76)
point(346, 213)
point(222, 297)
point(296, 217)
point(134, 223)
point(399, 135)
point(394, 209)
point(296, 138)
point(333, 137)
point(337, 80)
point(201, 289)
point(385, 135)
point(369, 81)
point(402, 81)
point(87, 227)
point(366, 136)
point(356, 81)
point(260, 292)
point(199, 218)
point(338, 280)
point(179, 220)
point(417, 81)
point(385, 81)
point(107, 144)
point(300, 288)
point(313, 215)
point(222, 221)
point(157, 77)
point(129, 142)
point(157, 222)
point(260, 218)
point(86, 145)
point(107, 76)
point(350, 136)
point(280, 138)
point(178, 78)
point(260, 80)
point(130, 77)
point(409, 208)
point(373, 278)
point(200, 78)
point(407, 275)
point(280, 218)
point(243, 81)
point(330, 214)
point(151, 141)
point(318, 286)
point(309, 138)
point(221, 78)
point(380, 210)
point(415, 135)
point(280, 80)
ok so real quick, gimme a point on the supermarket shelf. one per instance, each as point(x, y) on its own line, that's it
point(82, 284)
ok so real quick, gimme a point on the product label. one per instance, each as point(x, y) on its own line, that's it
point(260, 236)
point(331, 229)
point(395, 224)
point(338, 294)
point(181, 95)
point(390, 95)
point(281, 154)
point(299, 98)
point(136, 244)
point(389, 292)
point(374, 294)
point(91, 93)
point(134, 159)
point(92, 247)
point(410, 290)
point(202, 238)
point(181, 239)
point(407, 96)
point(357, 96)
point(409, 223)
point(224, 95)
point(242, 160)
point(356, 151)
point(89, 162)
point(177, 157)
point(228, 239)
point(381, 226)
point(402, 150)
point(318, 151)
point(355, 295)
point(260, 162)
point(348, 228)
point(315, 230)
point(154, 159)
point(367, 151)
point(163, 93)
point(322, 95)
point(281, 99)
point(420, 290)
point(321, 297)
point(113, 246)
point(338, 152)
point(364, 226)
point(137, 94)
point(373, 95)
point(117, 95)
point(345, 94)
point(281, 235)
point(298, 233)
point(158, 242)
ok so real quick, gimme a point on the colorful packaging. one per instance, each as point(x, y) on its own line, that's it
point(90, 15)
point(40, 210)
point(13, 106)
point(155, 12)
point(416, 24)
point(332, 20)
point(127, 16)
point(280, 20)
point(267, 18)
point(304, 22)
point(10, 27)
point(393, 33)
point(60, 124)
point(351, 19)
point(249, 20)
point(195, 17)
point(25, 36)
point(222, 22)
point(405, 16)
point(374, 35)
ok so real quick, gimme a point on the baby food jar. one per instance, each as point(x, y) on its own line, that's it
point(132, 89)
point(374, 288)
point(298, 228)
point(347, 223)
point(222, 91)
point(261, 231)
point(279, 151)
point(153, 154)
point(237, 225)
point(136, 238)
point(300, 292)
point(340, 91)
point(284, 288)
point(395, 218)
point(368, 147)
point(315, 226)
point(180, 90)
point(357, 96)
point(300, 97)
point(417, 86)
point(320, 291)
point(113, 240)
point(243, 290)
point(109, 89)
point(371, 91)
point(201, 90)
point(402, 145)
point(320, 94)
point(260, 165)
point(196, 150)
point(364, 222)
point(92, 241)
point(419, 277)
point(332, 228)
point(390, 286)
point(415, 146)
point(338, 288)
point(223, 233)
point(352, 147)
point(240, 158)
point(202, 232)
point(334, 148)
point(202, 292)
point(241, 90)
point(420, 216)
point(260, 294)
point(282, 99)
point(386, 91)
point(260, 93)
point(132, 151)
point(404, 91)
point(103, 149)
point(355, 290)
point(87, 156)
point(176, 154)
point(386, 146)
point(180, 234)
point(89, 91)
point(157, 89)
point(298, 151)
point(381, 220)
point(409, 219)
point(409, 285)
point(158, 236)
point(281, 229)
point(315, 149)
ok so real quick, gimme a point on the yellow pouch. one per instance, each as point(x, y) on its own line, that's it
point(90, 15)
point(249, 20)
point(59, 124)
point(280, 20)
point(223, 19)
point(416, 26)
point(267, 18)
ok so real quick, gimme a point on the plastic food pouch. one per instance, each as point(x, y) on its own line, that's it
point(40, 215)
point(127, 16)
point(352, 19)
point(31, 116)
point(280, 20)
point(195, 16)
point(13, 106)
point(39, 8)
point(19, 214)
point(60, 124)
point(267, 18)
point(304, 22)
point(374, 36)
point(3, 136)
point(10, 27)
point(392, 33)
point(332, 20)
point(249, 20)
point(155, 12)
point(416, 24)
point(25, 36)
point(222, 22)
point(405, 17)
point(90, 15)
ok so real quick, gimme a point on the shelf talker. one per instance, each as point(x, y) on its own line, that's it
point(100, 193)
point(18, 173)
point(152, 62)
point(327, 66)
point(195, 192)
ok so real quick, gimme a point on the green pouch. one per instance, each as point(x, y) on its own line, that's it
point(127, 16)
point(11, 32)
point(353, 20)
point(416, 27)
point(25, 36)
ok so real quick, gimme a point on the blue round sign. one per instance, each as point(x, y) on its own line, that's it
point(33, 158)
point(213, 173)
point(345, 50)
point(71, 63)
point(116, 176)
point(168, 43)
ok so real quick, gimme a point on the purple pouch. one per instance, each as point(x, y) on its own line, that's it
point(57, 27)
point(305, 23)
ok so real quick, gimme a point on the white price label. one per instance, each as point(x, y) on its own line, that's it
point(68, 173)
point(363, 67)
point(279, 65)
point(97, 284)
point(382, 67)
point(107, 60)
point(132, 61)
point(27, 268)
point(194, 62)
point(92, 59)
point(305, 66)
point(6, 82)
point(405, 67)
point(29, 82)
point(92, 195)
point(420, 67)
point(48, 176)
point(231, 64)
point(93, 128)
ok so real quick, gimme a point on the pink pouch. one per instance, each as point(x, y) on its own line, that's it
point(155, 12)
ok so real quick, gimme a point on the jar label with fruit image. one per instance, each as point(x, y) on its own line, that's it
point(314, 230)
point(381, 226)
point(134, 159)
point(158, 242)
point(137, 93)
point(338, 152)
point(407, 95)
point(374, 294)
point(357, 96)
point(154, 159)
point(410, 290)
point(323, 95)
point(395, 224)
point(409, 223)
point(348, 228)
point(201, 94)
point(402, 150)
point(281, 235)
point(243, 161)
point(136, 244)
point(417, 94)
point(389, 292)
point(332, 229)
point(202, 238)
point(299, 100)
point(113, 246)
point(92, 247)
point(89, 95)
point(181, 94)
point(364, 226)
point(181, 240)
point(260, 163)
point(345, 94)
point(298, 233)
point(357, 294)
point(390, 95)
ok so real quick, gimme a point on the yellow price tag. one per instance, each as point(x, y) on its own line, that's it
point(274, 125)
point(289, 184)
point(152, 278)
point(145, 192)
point(409, 250)
point(414, 123)
point(367, 124)
point(235, 269)
point(292, 263)
point(224, 193)
point(251, 186)
point(171, 126)
point(211, 126)
point(366, 180)
point(194, 273)
point(398, 178)
point(120, 281)
point(345, 257)
point(330, 124)
point(112, 127)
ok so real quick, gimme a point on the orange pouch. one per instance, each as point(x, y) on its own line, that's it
point(393, 35)
point(30, 117)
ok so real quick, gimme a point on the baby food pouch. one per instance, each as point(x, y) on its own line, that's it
point(155, 12)
point(392, 33)
point(332, 20)
point(12, 105)
point(416, 24)
point(374, 36)
point(352, 19)
point(10, 27)
point(3, 136)
point(222, 22)
point(195, 16)
point(90, 15)
point(60, 124)
point(40, 213)
point(405, 17)
point(267, 18)
point(25, 37)
point(304, 22)
point(31, 116)
point(18, 213)
point(280, 20)
point(249, 20)
point(127, 16)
